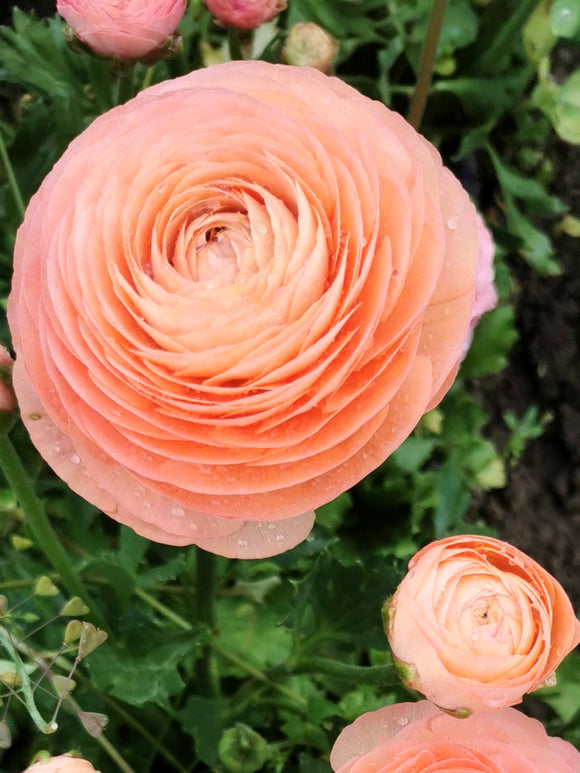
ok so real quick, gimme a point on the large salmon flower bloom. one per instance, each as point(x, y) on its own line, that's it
point(61, 764)
point(476, 623)
point(126, 29)
point(418, 738)
point(234, 297)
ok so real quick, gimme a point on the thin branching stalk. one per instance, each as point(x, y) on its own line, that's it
point(428, 55)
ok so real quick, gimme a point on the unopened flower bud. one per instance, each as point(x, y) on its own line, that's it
point(245, 14)
point(7, 398)
point(134, 29)
point(308, 45)
point(242, 750)
point(64, 763)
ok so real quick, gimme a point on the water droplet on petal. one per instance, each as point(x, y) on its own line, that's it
point(178, 512)
point(75, 459)
point(242, 543)
point(452, 223)
point(402, 721)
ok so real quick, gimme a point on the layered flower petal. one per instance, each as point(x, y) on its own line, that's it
point(419, 738)
point(476, 624)
point(234, 296)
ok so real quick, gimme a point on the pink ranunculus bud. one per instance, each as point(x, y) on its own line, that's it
point(245, 14)
point(476, 624)
point(125, 29)
point(418, 737)
point(308, 45)
point(64, 763)
point(7, 399)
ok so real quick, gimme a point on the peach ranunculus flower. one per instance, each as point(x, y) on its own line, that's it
point(245, 14)
point(126, 29)
point(234, 296)
point(64, 763)
point(476, 623)
point(418, 738)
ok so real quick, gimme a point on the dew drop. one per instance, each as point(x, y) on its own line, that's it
point(75, 459)
point(402, 721)
point(147, 505)
point(271, 526)
point(279, 537)
point(242, 543)
point(452, 223)
point(178, 512)
point(193, 526)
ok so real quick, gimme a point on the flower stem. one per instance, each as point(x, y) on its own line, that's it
point(213, 643)
point(205, 588)
point(12, 181)
point(383, 676)
point(148, 79)
point(44, 535)
point(25, 684)
point(427, 61)
point(235, 44)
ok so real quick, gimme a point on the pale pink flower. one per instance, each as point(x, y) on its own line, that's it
point(245, 14)
point(414, 737)
point(126, 29)
point(476, 624)
point(234, 296)
point(485, 298)
point(61, 764)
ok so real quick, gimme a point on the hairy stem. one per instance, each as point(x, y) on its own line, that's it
point(205, 589)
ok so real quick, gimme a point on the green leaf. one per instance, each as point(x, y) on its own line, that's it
point(453, 498)
point(413, 454)
point(460, 26)
point(252, 631)
point(132, 550)
point(567, 112)
point(492, 341)
point(539, 201)
point(565, 18)
point(536, 246)
point(564, 698)
point(339, 603)
point(203, 719)
point(144, 677)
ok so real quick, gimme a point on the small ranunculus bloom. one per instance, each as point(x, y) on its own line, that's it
point(126, 29)
point(245, 14)
point(476, 624)
point(234, 296)
point(64, 763)
point(309, 45)
point(418, 738)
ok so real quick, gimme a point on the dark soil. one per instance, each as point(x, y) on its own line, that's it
point(539, 510)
